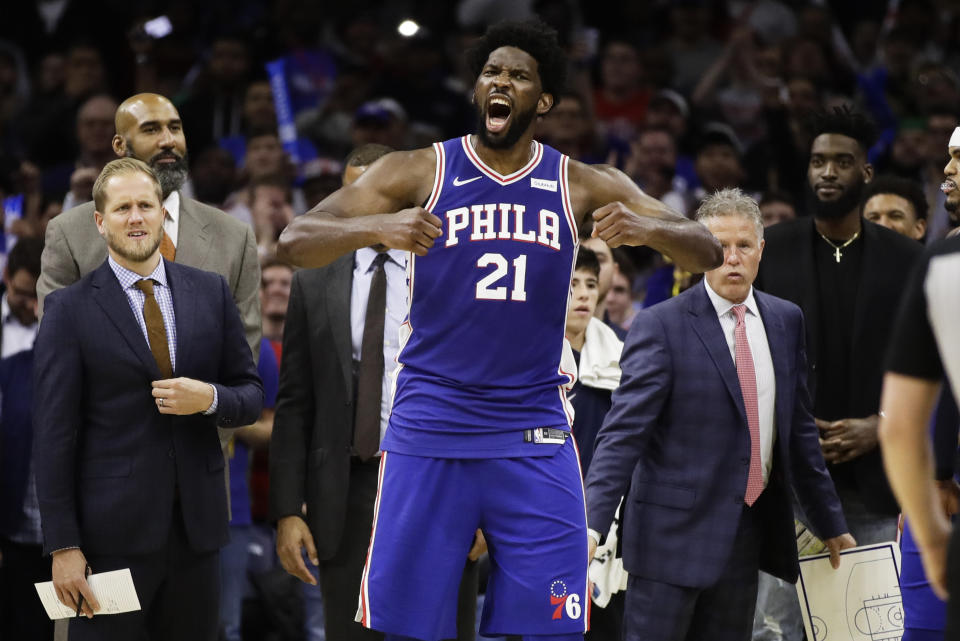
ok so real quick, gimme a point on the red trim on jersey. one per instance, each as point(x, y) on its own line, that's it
point(364, 594)
point(500, 178)
point(565, 197)
point(437, 177)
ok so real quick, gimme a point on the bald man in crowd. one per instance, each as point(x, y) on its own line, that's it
point(148, 128)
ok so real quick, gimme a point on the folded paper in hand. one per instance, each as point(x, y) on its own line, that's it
point(114, 591)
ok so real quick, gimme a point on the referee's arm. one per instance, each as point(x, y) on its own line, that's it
point(910, 389)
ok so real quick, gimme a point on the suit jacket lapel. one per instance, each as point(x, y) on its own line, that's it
point(193, 239)
point(112, 299)
point(707, 327)
point(339, 287)
point(184, 311)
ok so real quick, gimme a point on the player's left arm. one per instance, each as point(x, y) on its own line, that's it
point(624, 215)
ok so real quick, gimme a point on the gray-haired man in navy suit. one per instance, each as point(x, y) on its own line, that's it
point(711, 427)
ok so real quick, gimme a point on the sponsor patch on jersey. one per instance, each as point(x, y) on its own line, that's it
point(545, 435)
point(546, 185)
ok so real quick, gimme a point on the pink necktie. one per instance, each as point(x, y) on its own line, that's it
point(748, 387)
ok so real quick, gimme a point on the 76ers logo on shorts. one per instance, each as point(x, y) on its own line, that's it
point(565, 603)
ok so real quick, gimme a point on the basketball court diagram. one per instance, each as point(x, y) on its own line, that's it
point(860, 601)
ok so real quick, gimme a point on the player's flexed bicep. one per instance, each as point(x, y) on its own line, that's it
point(624, 215)
point(380, 207)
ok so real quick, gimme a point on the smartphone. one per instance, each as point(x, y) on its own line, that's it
point(158, 27)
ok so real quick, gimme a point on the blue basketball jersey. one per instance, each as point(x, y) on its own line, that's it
point(480, 357)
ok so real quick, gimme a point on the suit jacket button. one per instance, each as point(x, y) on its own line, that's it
point(171, 453)
point(347, 403)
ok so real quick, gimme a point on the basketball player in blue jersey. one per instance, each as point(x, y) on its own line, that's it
point(479, 434)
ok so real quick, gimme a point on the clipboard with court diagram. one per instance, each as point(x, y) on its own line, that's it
point(860, 601)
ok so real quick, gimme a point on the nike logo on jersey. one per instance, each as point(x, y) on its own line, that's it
point(459, 183)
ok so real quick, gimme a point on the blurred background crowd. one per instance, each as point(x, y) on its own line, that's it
point(686, 96)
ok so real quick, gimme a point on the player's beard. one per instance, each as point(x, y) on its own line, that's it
point(519, 123)
point(950, 204)
point(953, 211)
point(837, 208)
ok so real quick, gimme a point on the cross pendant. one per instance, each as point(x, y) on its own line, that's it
point(836, 253)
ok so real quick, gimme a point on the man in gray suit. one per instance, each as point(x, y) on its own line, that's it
point(149, 129)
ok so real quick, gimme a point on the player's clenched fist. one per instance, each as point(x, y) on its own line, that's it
point(412, 229)
point(616, 224)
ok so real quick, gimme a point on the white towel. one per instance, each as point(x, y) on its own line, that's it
point(606, 569)
point(600, 357)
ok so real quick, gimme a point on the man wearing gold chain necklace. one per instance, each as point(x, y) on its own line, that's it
point(847, 275)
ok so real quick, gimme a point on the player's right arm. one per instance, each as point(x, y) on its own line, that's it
point(381, 207)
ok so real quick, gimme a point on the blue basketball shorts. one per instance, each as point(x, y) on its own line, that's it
point(531, 511)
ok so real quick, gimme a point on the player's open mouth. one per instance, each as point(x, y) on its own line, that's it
point(137, 234)
point(947, 186)
point(498, 113)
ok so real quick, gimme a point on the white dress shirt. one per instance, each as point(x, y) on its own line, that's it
point(762, 365)
point(396, 312)
point(17, 337)
point(171, 222)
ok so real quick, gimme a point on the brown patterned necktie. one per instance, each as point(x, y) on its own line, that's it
point(167, 249)
point(156, 332)
point(366, 425)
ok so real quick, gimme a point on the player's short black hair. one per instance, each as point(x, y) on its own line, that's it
point(25, 255)
point(587, 260)
point(903, 187)
point(845, 121)
point(532, 36)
